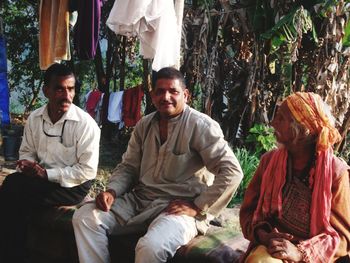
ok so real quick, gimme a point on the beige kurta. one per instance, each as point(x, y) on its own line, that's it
point(194, 163)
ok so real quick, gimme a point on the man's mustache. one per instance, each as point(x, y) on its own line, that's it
point(65, 101)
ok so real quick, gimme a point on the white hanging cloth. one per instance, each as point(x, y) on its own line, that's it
point(155, 23)
point(115, 106)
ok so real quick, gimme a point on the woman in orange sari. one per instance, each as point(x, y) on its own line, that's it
point(297, 206)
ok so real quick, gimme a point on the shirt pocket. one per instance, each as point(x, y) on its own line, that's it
point(65, 156)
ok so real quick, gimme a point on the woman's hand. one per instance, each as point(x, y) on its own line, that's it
point(284, 249)
point(265, 237)
point(279, 245)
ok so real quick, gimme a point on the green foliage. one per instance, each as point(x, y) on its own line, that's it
point(196, 97)
point(262, 137)
point(286, 31)
point(21, 32)
point(249, 162)
point(326, 7)
point(134, 71)
point(206, 3)
point(85, 71)
point(283, 39)
point(100, 182)
point(259, 11)
point(25, 97)
point(16, 108)
point(346, 38)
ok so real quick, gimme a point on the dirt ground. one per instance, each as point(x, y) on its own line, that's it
point(5, 167)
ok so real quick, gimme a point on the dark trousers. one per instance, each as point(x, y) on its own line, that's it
point(20, 197)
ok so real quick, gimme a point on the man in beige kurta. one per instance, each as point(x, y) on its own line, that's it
point(177, 173)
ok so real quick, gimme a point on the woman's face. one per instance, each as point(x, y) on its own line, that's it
point(282, 124)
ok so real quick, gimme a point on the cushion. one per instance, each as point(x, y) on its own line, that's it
point(221, 245)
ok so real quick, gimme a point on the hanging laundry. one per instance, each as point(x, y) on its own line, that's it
point(92, 101)
point(4, 90)
point(132, 100)
point(99, 111)
point(54, 32)
point(3, 58)
point(115, 106)
point(154, 22)
point(87, 27)
point(84, 99)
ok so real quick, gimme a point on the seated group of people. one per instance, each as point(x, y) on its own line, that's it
point(178, 173)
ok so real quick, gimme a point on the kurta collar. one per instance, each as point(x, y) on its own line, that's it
point(156, 116)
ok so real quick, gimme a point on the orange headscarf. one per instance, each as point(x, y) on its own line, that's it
point(307, 109)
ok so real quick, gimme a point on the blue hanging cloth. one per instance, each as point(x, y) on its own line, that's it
point(4, 89)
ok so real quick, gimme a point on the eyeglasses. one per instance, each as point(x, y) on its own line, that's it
point(50, 135)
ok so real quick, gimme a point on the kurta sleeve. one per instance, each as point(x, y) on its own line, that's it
point(340, 213)
point(219, 159)
point(314, 248)
point(250, 202)
point(126, 174)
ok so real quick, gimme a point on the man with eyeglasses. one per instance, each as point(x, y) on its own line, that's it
point(58, 159)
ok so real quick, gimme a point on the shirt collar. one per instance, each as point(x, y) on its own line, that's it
point(71, 114)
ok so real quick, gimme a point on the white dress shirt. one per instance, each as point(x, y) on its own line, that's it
point(67, 149)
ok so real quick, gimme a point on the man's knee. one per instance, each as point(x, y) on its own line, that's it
point(12, 180)
point(88, 217)
point(19, 184)
point(84, 216)
point(151, 249)
point(12, 190)
point(158, 245)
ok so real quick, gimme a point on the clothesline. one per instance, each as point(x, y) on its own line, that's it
point(157, 23)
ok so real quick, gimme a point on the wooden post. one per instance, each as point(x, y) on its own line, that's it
point(122, 64)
